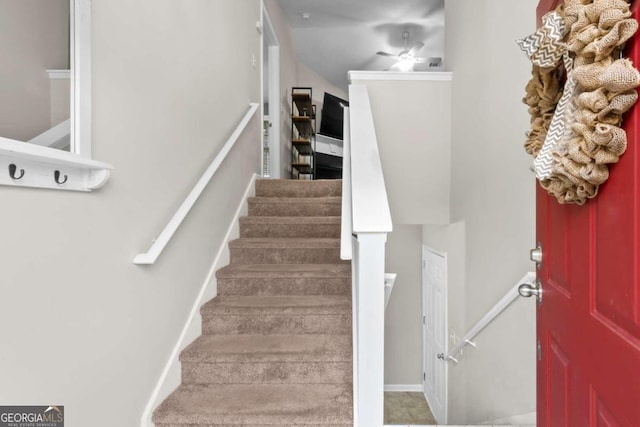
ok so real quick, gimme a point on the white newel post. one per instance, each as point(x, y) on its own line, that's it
point(366, 216)
point(369, 257)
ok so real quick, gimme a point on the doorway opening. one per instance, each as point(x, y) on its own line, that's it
point(270, 146)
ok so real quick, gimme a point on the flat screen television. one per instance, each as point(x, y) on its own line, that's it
point(332, 116)
point(328, 166)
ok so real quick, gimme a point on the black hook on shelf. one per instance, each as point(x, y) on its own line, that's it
point(12, 172)
point(56, 176)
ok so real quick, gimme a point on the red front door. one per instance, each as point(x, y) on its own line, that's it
point(589, 319)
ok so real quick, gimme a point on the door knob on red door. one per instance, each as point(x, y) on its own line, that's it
point(535, 255)
point(527, 290)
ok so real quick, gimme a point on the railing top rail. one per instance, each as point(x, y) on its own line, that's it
point(169, 230)
point(370, 205)
point(509, 297)
point(56, 137)
point(346, 229)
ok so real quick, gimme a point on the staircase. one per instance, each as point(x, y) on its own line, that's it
point(276, 348)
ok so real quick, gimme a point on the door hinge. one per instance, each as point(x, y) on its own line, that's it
point(424, 321)
point(424, 376)
point(539, 351)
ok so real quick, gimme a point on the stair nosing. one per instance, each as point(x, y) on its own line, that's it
point(338, 412)
point(275, 219)
point(315, 271)
point(217, 306)
point(283, 200)
point(262, 353)
point(285, 242)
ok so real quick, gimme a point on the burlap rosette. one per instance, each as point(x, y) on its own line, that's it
point(585, 124)
point(542, 95)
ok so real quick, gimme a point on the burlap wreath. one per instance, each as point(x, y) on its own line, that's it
point(595, 32)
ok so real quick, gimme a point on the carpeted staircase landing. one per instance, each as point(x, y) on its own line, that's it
point(276, 348)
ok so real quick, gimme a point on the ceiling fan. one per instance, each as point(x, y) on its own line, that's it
point(407, 58)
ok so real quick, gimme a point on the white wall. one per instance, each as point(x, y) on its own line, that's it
point(413, 126)
point(493, 193)
point(34, 37)
point(81, 325)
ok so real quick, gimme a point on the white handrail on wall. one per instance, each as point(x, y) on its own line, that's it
point(169, 230)
point(366, 220)
point(500, 306)
point(58, 136)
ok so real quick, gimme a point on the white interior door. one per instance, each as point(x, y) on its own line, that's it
point(434, 328)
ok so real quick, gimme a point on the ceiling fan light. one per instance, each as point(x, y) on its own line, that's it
point(405, 65)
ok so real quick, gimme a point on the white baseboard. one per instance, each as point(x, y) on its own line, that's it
point(170, 377)
point(403, 387)
point(522, 419)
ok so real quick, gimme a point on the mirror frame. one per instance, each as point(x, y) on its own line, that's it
point(80, 66)
point(32, 165)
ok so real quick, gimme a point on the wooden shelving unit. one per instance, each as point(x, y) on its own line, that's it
point(303, 133)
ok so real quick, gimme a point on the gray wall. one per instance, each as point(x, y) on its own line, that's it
point(413, 126)
point(60, 100)
point(309, 78)
point(480, 210)
point(81, 325)
point(34, 37)
point(403, 318)
point(493, 193)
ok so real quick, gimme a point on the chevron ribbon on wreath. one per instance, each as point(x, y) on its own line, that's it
point(545, 49)
point(576, 131)
point(560, 126)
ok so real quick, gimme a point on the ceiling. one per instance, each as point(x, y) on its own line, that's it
point(344, 35)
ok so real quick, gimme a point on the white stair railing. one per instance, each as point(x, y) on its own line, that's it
point(389, 281)
point(58, 136)
point(169, 230)
point(366, 220)
point(500, 306)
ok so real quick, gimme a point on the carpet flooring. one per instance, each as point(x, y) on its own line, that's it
point(276, 345)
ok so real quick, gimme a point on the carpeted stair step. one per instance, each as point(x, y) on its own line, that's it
point(268, 359)
point(295, 226)
point(299, 206)
point(257, 405)
point(260, 250)
point(260, 315)
point(284, 279)
point(295, 188)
